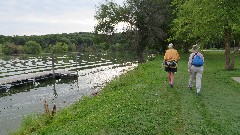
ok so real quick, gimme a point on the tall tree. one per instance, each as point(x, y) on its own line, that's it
point(207, 21)
point(60, 47)
point(147, 21)
point(32, 47)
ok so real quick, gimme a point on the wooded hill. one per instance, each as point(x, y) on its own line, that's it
point(60, 43)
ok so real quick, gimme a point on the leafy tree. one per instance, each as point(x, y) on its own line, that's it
point(72, 48)
point(64, 40)
point(116, 47)
point(19, 40)
point(7, 48)
point(19, 49)
point(1, 48)
point(48, 49)
point(88, 49)
point(12, 49)
point(104, 46)
point(32, 47)
point(147, 21)
point(60, 47)
point(2, 39)
point(209, 21)
point(75, 41)
point(108, 42)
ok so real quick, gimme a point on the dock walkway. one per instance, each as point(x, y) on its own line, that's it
point(17, 80)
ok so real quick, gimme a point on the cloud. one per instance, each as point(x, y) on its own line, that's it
point(27, 17)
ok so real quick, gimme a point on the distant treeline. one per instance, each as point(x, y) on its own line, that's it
point(62, 43)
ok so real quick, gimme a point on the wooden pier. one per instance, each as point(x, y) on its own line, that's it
point(30, 78)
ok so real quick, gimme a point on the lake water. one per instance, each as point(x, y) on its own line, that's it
point(94, 71)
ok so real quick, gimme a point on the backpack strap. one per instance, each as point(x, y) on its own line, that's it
point(194, 56)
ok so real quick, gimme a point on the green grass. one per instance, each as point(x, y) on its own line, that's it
point(141, 102)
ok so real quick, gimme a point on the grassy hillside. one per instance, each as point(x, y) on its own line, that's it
point(141, 102)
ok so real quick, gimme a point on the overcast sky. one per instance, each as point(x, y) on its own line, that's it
point(39, 17)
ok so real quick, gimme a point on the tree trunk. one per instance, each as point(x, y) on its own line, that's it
point(186, 47)
point(141, 46)
point(227, 42)
point(236, 51)
point(140, 50)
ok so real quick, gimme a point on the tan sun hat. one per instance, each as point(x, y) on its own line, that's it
point(170, 45)
point(195, 48)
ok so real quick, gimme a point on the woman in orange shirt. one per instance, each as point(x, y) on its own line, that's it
point(170, 61)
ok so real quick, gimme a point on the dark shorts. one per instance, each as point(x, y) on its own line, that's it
point(171, 66)
point(169, 69)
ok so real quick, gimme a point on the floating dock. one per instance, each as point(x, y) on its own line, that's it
point(30, 78)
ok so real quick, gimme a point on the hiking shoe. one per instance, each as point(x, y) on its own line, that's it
point(198, 93)
point(171, 85)
point(190, 87)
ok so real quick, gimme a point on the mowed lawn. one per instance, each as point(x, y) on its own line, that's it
point(141, 102)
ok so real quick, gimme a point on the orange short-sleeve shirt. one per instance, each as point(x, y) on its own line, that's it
point(171, 55)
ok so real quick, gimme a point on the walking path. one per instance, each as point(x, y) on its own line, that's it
point(236, 79)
